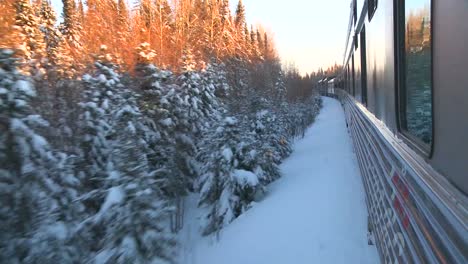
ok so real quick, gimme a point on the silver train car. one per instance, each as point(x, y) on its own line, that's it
point(404, 88)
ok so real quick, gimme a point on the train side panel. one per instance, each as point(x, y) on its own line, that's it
point(450, 69)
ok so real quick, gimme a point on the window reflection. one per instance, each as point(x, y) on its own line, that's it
point(418, 59)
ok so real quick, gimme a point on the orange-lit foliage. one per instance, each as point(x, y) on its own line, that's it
point(207, 28)
point(7, 21)
point(418, 29)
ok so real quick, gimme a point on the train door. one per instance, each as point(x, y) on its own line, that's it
point(363, 66)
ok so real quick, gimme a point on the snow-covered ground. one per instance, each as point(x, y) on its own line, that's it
point(315, 213)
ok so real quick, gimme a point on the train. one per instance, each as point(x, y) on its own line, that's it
point(404, 88)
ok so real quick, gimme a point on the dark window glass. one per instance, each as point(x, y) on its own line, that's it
point(371, 7)
point(417, 95)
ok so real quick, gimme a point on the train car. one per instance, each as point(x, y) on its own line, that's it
point(405, 96)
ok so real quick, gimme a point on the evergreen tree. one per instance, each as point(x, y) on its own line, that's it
point(69, 12)
point(71, 30)
point(60, 64)
point(190, 123)
point(102, 100)
point(157, 103)
point(32, 46)
point(36, 188)
point(47, 26)
point(226, 187)
point(260, 43)
point(240, 16)
point(127, 205)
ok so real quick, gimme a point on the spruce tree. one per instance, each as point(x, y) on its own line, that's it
point(227, 187)
point(102, 100)
point(134, 213)
point(240, 16)
point(190, 117)
point(36, 188)
point(159, 103)
point(71, 30)
point(60, 64)
point(32, 47)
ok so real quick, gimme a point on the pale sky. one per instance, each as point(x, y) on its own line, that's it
point(310, 33)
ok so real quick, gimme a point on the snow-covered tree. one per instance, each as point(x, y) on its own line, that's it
point(128, 210)
point(134, 213)
point(187, 107)
point(102, 100)
point(71, 47)
point(227, 188)
point(270, 152)
point(36, 187)
point(31, 46)
point(71, 23)
point(159, 102)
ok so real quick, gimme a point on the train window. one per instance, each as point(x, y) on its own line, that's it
point(416, 62)
point(371, 7)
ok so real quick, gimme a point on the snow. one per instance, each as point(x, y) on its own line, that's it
point(167, 122)
point(115, 195)
point(244, 177)
point(315, 213)
point(230, 121)
point(227, 154)
point(59, 230)
point(87, 77)
point(102, 78)
point(25, 87)
point(103, 257)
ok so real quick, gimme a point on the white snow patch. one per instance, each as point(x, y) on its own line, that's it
point(102, 78)
point(230, 121)
point(86, 77)
point(227, 154)
point(167, 122)
point(244, 177)
point(103, 257)
point(115, 195)
point(25, 87)
point(59, 230)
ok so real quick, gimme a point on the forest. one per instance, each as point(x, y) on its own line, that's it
point(111, 114)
